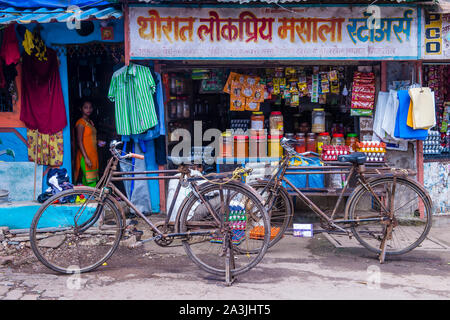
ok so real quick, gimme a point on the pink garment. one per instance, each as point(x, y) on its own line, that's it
point(10, 46)
point(42, 99)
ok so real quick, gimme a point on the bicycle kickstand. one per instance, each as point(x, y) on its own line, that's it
point(387, 234)
point(229, 262)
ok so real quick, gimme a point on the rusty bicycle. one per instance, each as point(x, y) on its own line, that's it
point(78, 230)
point(388, 212)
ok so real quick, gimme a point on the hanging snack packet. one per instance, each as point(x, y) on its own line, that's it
point(232, 77)
point(251, 105)
point(258, 93)
point(237, 103)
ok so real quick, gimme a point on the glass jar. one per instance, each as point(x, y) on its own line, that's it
point(226, 150)
point(311, 142)
point(180, 89)
point(338, 140)
point(300, 146)
point(186, 108)
point(173, 84)
point(173, 108)
point(275, 148)
point(257, 121)
point(179, 108)
point(289, 136)
point(351, 141)
point(241, 146)
point(276, 123)
point(323, 139)
point(258, 146)
point(318, 121)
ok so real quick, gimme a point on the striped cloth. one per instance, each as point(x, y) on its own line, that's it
point(132, 88)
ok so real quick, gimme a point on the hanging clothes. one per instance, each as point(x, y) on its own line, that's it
point(45, 149)
point(42, 99)
point(132, 88)
point(34, 45)
point(402, 130)
point(9, 51)
point(89, 174)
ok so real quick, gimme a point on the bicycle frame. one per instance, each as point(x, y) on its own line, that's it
point(355, 171)
point(105, 185)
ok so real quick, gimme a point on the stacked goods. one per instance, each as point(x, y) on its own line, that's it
point(363, 94)
point(237, 220)
point(257, 232)
point(331, 153)
point(375, 151)
point(432, 144)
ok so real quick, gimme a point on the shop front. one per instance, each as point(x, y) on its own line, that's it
point(51, 61)
point(238, 79)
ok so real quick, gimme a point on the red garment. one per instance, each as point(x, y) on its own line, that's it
point(42, 99)
point(10, 46)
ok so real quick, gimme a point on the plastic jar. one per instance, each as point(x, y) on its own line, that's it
point(275, 148)
point(226, 150)
point(241, 146)
point(311, 142)
point(318, 121)
point(300, 146)
point(323, 139)
point(257, 121)
point(276, 123)
point(351, 141)
point(338, 140)
point(258, 146)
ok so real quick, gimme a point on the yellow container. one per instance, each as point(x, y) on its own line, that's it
point(275, 148)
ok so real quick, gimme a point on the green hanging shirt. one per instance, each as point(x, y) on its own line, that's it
point(132, 91)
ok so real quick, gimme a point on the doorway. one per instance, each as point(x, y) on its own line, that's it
point(90, 68)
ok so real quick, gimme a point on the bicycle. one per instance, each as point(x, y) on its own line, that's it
point(388, 213)
point(78, 230)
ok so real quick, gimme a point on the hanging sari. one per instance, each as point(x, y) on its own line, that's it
point(89, 174)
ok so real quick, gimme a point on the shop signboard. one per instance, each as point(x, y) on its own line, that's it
point(306, 32)
point(436, 36)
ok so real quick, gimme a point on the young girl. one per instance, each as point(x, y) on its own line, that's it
point(87, 156)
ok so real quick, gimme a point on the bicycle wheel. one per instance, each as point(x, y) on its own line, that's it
point(412, 215)
point(281, 212)
point(234, 204)
point(75, 232)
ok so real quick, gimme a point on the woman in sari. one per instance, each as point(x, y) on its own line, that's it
point(87, 156)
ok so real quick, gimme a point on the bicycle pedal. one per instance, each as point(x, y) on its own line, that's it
point(137, 245)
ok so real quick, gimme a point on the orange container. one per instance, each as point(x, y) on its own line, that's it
point(257, 232)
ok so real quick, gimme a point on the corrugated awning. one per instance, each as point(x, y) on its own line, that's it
point(323, 2)
point(43, 15)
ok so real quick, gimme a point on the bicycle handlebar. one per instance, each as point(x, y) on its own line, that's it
point(113, 148)
point(289, 149)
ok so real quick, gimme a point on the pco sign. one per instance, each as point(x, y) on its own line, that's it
point(433, 34)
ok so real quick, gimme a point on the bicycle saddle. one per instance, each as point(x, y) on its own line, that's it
point(355, 158)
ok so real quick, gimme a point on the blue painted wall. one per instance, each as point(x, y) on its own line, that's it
point(53, 34)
